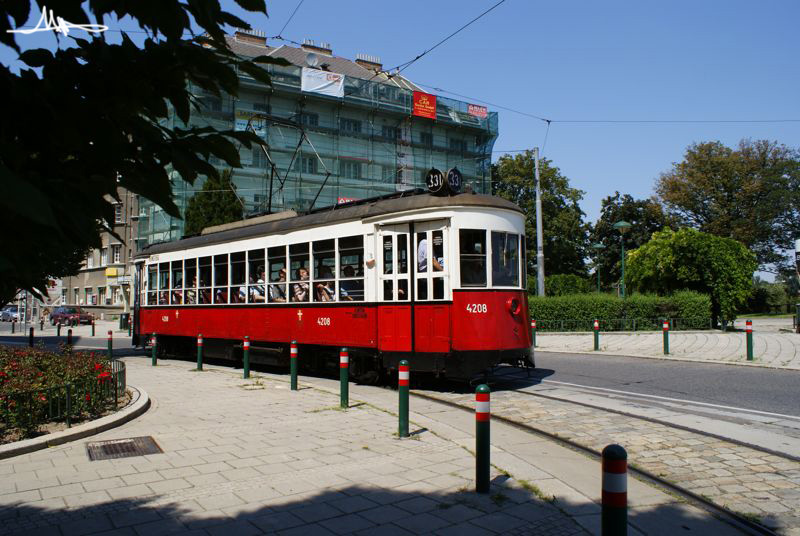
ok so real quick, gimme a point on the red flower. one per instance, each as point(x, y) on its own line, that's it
point(88, 398)
point(98, 366)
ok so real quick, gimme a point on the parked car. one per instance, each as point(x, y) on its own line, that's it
point(70, 315)
point(10, 313)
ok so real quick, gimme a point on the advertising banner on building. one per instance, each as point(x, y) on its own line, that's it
point(478, 111)
point(424, 105)
point(257, 123)
point(322, 82)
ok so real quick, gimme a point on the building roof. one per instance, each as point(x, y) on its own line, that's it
point(336, 214)
point(335, 64)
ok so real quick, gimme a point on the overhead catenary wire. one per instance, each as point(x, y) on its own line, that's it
point(300, 3)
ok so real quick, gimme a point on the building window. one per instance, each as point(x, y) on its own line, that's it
point(90, 259)
point(350, 125)
point(309, 120)
point(103, 256)
point(119, 215)
point(390, 132)
point(389, 174)
point(306, 164)
point(260, 107)
point(259, 158)
point(63, 296)
point(116, 254)
point(426, 139)
point(458, 145)
point(89, 297)
point(101, 296)
point(350, 169)
point(214, 104)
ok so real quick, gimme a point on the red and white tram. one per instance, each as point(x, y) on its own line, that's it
point(436, 280)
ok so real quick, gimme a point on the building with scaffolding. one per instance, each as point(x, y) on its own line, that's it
point(334, 130)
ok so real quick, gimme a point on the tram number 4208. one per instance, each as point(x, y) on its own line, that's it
point(475, 308)
point(324, 321)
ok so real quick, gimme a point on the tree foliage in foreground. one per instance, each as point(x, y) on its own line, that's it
point(750, 194)
point(84, 120)
point(564, 228)
point(216, 203)
point(689, 259)
point(646, 217)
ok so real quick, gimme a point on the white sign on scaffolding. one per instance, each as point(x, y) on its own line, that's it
point(323, 82)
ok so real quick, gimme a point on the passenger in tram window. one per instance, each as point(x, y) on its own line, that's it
point(163, 298)
point(300, 290)
point(324, 289)
point(422, 257)
point(277, 293)
point(351, 289)
point(257, 290)
point(191, 293)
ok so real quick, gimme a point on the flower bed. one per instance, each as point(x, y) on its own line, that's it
point(39, 387)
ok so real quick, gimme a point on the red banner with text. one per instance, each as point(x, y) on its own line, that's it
point(424, 105)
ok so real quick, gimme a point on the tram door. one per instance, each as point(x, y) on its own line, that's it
point(431, 287)
point(394, 288)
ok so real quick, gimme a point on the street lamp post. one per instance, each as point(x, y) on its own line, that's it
point(597, 246)
point(622, 226)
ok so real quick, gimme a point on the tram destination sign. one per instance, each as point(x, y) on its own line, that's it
point(434, 180)
point(454, 180)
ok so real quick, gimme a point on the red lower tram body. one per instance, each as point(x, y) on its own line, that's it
point(457, 339)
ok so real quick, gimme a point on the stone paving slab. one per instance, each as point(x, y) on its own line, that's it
point(771, 349)
point(266, 460)
point(742, 479)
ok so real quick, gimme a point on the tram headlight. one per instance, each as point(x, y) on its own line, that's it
point(513, 306)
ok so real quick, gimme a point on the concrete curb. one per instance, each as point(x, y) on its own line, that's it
point(667, 358)
point(139, 404)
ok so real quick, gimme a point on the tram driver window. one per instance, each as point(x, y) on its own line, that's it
point(204, 291)
point(256, 293)
point(176, 296)
point(324, 268)
point(299, 290)
point(351, 268)
point(190, 279)
point(472, 248)
point(220, 279)
point(238, 292)
point(152, 284)
point(505, 259)
point(163, 283)
point(277, 274)
point(424, 249)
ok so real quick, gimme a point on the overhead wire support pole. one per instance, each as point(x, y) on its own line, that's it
point(539, 239)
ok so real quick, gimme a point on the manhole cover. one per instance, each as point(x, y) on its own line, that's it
point(122, 448)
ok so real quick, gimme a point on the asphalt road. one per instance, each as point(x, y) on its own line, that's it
point(761, 389)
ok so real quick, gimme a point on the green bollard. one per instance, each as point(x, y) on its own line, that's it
point(69, 337)
point(293, 364)
point(614, 510)
point(58, 329)
point(533, 332)
point(246, 357)
point(30, 337)
point(69, 405)
point(344, 378)
point(596, 336)
point(199, 351)
point(110, 349)
point(666, 337)
point(153, 350)
point(92, 327)
point(130, 328)
point(403, 381)
point(482, 420)
point(749, 340)
point(14, 326)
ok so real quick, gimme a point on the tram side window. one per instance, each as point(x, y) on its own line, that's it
point(505, 259)
point(176, 296)
point(472, 248)
point(277, 274)
point(402, 254)
point(388, 257)
point(204, 291)
point(351, 268)
point(298, 272)
point(255, 263)
point(238, 292)
point(152, 284)
point(163, 283)
point(324, 268)
point(190, 281)
point(220, 279)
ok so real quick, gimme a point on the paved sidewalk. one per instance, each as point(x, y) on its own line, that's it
point(739, 478)
point(251, 457)
point(770, 348)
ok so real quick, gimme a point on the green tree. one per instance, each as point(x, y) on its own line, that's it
point(646, 217)
point(750, 194)
point(216, 203)
point(93, 115)
point(689, 259)
point(565, 284)
point(565, 231)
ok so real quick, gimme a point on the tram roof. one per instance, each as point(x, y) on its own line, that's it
point(335, 214)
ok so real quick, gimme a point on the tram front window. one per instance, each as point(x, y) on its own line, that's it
point(472, 248)
point(505, 259)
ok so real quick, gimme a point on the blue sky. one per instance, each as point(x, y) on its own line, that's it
point(581, 60)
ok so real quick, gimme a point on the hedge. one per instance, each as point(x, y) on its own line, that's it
point(576, 312)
